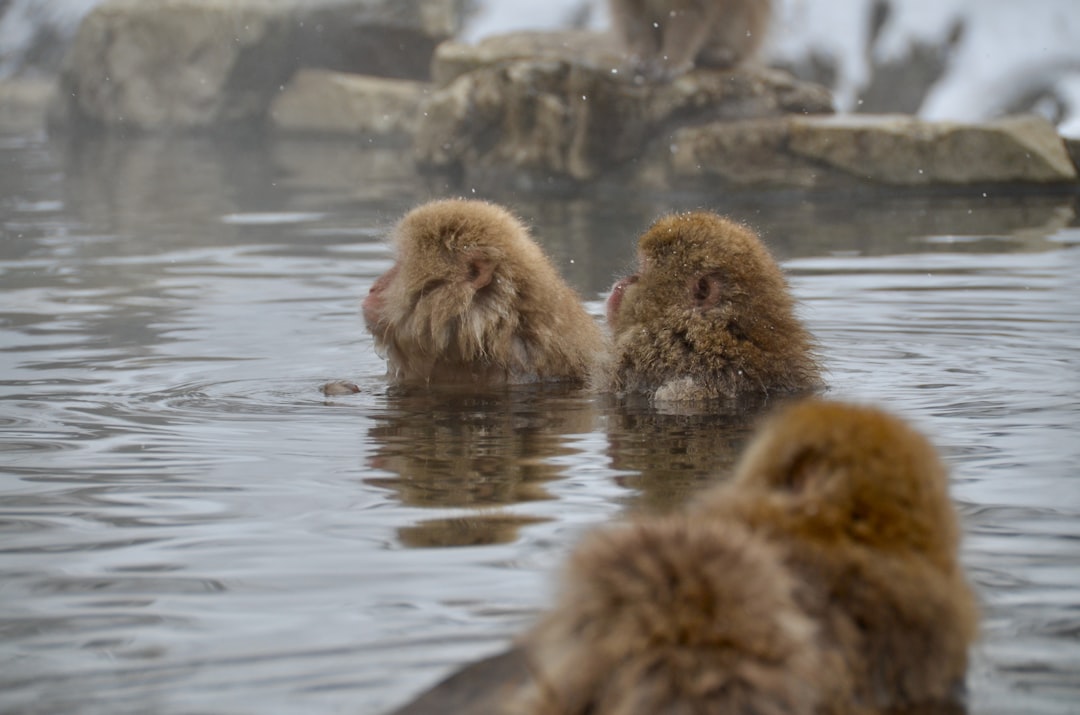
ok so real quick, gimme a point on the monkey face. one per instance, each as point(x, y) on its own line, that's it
point(708, 314)
point(690, 265)
point(472, 298)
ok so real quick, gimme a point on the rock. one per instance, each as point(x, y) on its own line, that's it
point(323, 101)
point(188, 64)
point(23, 104)
point(1072, 144)
point(592, 49)
point(570, 113)
point(336, 388)
point(558, 109)
point(330, 169)
point(848, 150)
point(903, 151)
point(745, 154)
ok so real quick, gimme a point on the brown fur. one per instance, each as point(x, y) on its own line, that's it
point(676, 617)
point(472, 299)
point(668, 37)
point(824, 578)
point(859, 501)
point(709, 315)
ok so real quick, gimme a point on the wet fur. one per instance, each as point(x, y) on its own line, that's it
point(823, 578)
point(674, 616)
point(709, 315)
point(859, 501)
point(473, 299)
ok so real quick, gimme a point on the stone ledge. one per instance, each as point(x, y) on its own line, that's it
point(528, 109)
point(327, 102)
point(154, 65)
point(579, 120)
point(885, 150)
point(23, 104)
point(598, 51)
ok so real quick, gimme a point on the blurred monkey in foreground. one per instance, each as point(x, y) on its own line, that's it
point(859, 502)
point(823, 579)
point(665, 38)
point(673, 615)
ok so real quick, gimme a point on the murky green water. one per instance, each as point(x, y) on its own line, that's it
point(187, 525)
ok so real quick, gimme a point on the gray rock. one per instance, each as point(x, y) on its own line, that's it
point(23, 104)
point(848, 150)
point(598, 51)
point(744, 154)
point(902, 150)
point(1072, 144)
point(558, 106)
point(187, 64)
point(324, 101)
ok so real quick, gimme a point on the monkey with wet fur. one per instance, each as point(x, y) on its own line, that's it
point(859, 502)
point(675, 615)
point(665, 38)
point(824, 579)
point(708, 315)
point(472, 299)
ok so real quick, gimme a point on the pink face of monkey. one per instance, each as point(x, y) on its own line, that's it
point(374, 305)
point(614, 301)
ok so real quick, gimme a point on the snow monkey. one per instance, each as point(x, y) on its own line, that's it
point(822, 579)
point(472, 299)
point(708, 315)
point(665, 38)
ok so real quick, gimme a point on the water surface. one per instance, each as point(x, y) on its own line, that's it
point(188, 525)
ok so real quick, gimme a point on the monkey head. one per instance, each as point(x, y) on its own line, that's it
point(707, 315)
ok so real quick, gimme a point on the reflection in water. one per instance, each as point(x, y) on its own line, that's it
point(448, 450)
point(189, 525)
point(667, 457)
point(479, 530)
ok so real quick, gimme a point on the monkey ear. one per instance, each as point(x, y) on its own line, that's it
point(706, 290)
point(480, 270)
point(802, 470)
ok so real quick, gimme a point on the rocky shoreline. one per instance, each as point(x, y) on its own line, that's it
point(524, 109)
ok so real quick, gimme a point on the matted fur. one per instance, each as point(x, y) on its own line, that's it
point(824, 578)
point(859, 501)
point(708, 315)
point(473, 299)
point(674, 616)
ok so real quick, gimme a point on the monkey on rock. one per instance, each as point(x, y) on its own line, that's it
point(665, 38)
